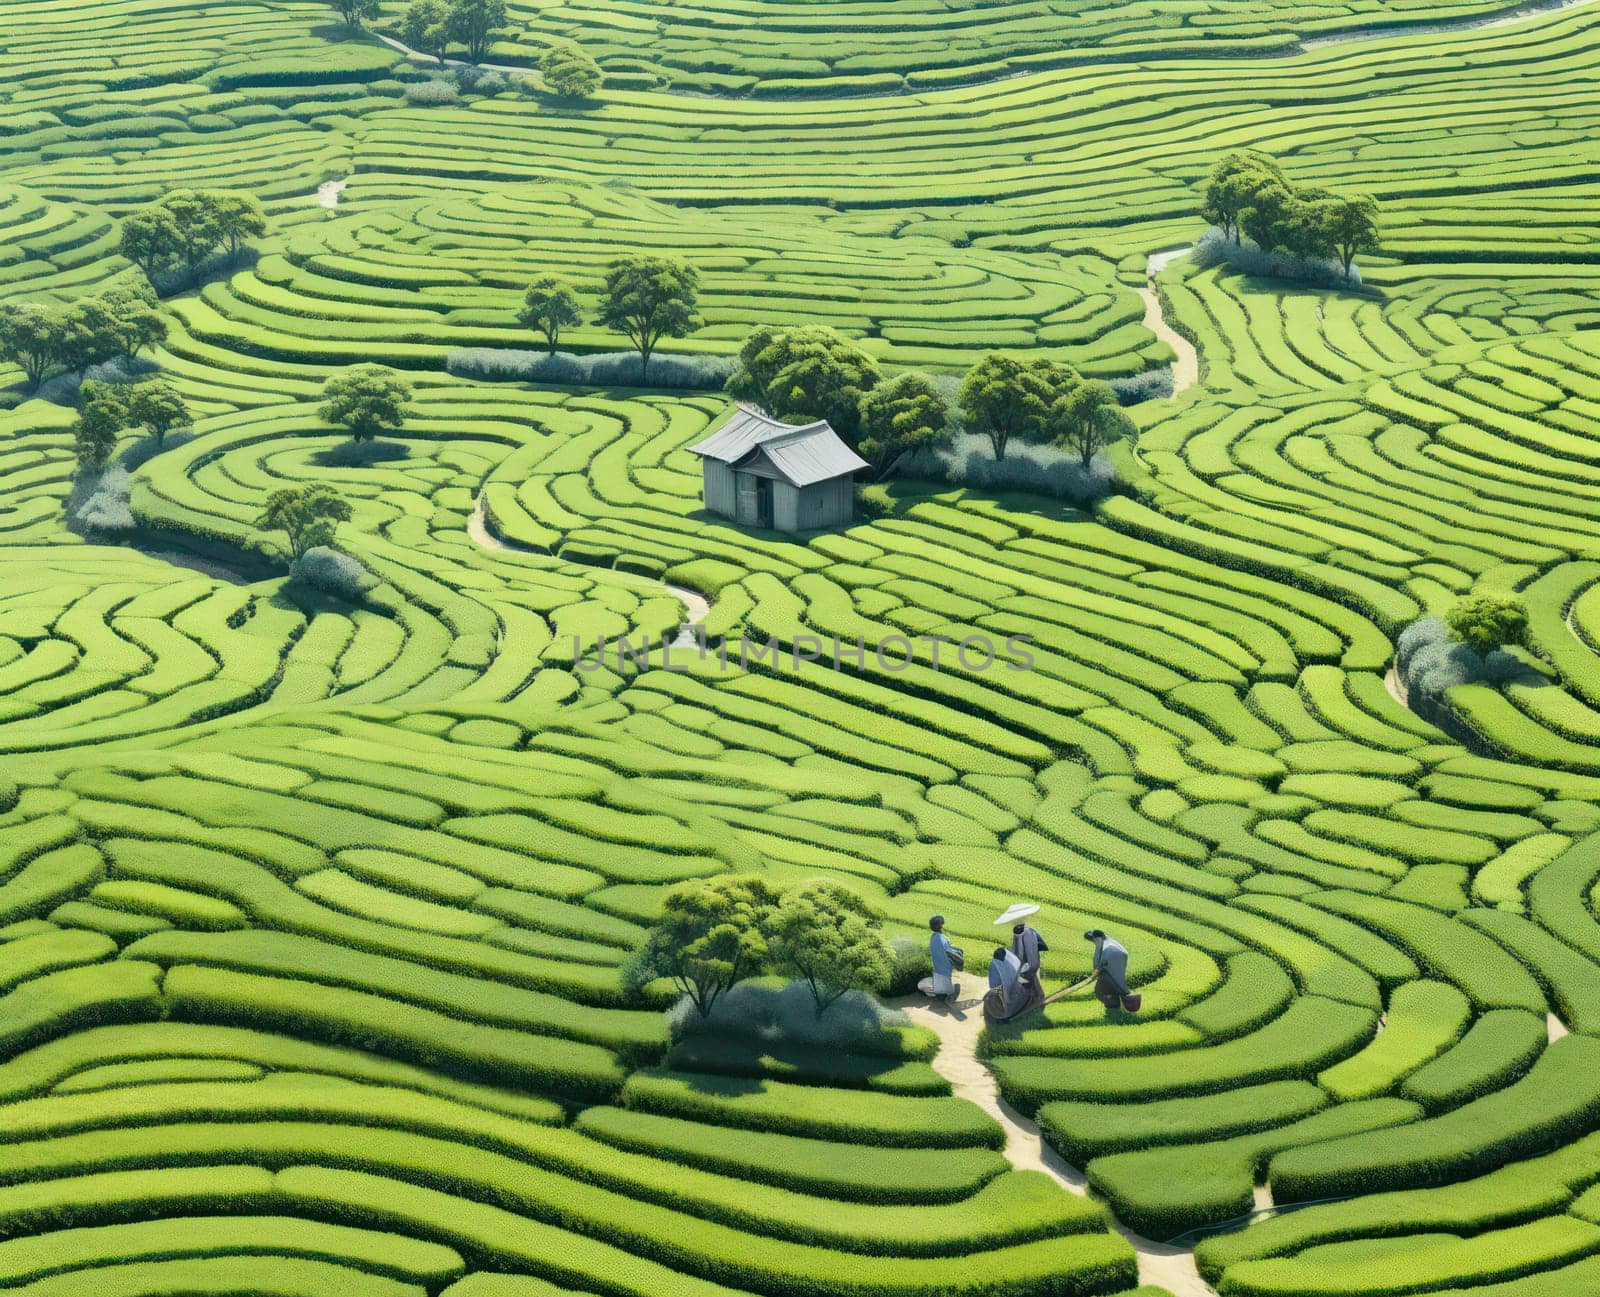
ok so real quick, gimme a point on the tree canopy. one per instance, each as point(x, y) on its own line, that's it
point(569, 71)
point(355, 12)
point(473, 23)
point(102, 414)
point(157, 406)
point(1085, 417)
point(710, 936)
point(309, 515)
point(367, 400)
point(825, 935)
point(425, 27)
point(649, 298)
point(805, 373)
point(899, 416)
point(1486, 622)
point(1004, 397)
point(549, 306)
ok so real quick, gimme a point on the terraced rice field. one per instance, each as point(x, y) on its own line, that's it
point(313, 912)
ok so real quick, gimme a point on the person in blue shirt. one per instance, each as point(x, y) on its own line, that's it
point(946, 958)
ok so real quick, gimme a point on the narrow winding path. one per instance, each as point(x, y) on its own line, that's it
point(1186, 368)
point(957, 1027)
point(695, 605)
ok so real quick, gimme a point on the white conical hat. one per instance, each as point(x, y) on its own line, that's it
point(1020, 910)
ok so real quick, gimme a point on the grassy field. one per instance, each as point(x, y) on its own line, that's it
point(313, 912)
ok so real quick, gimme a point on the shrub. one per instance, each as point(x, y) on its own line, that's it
point(1214, 249)
point(433, 93)
point(99, 501)
point(967, 460)
point(333, 572)
point(1146, 385)
point(911, 962)
point(602, 369)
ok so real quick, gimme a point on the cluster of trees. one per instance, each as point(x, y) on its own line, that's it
point(1041, 400)
point(432, 26)
point(713, 933)
point(185, 227)
point(107, 410)
point(812, 372)
point(645, 298)
point(43, 337)
point(1249, 196)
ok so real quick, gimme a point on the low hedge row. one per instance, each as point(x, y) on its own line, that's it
point(1557, 1100)
point(895, 1121)
point(565, 1068)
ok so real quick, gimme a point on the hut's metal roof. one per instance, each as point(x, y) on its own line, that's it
point(811, 452)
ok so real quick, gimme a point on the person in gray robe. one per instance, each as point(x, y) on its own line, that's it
point(1026, 945)
point(1005, 974)
point(1110, 967)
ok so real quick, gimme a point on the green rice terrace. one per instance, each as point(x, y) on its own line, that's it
point(404, 700)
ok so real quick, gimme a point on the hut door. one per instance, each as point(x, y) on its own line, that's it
point(746, 510)
point(763, 502)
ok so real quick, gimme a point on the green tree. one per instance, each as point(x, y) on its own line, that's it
point(355, 12)
point(473, 23)
point(825, 935)
point(367, 400)
point(1086, 418)
point(647, 299)
point(1265, 217)
point(31, 336)
point(1486, 622)
point(150, 240)
point(1004, 398)
point(197, 217)
point(1352, 227)
point(425, 27)
point(900, 416)
point(1232, 187)
point(238, 217)
point(805, 373)
point(548, 307)
point(137, 320)
point(308, 515)
point(158, 407)
point(708, 939)
point(569, 71)
point(102, 415)
point(89, 334)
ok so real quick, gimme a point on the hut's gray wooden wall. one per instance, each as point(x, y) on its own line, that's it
point(719, 489)
point(822, 504)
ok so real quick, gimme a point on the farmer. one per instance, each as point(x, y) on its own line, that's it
point(1111, 968)
point(1026, 945)
point(1005, 973)
point(945, 958)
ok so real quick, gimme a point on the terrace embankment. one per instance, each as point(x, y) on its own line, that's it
point(958, 1027)
point(695, 605)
